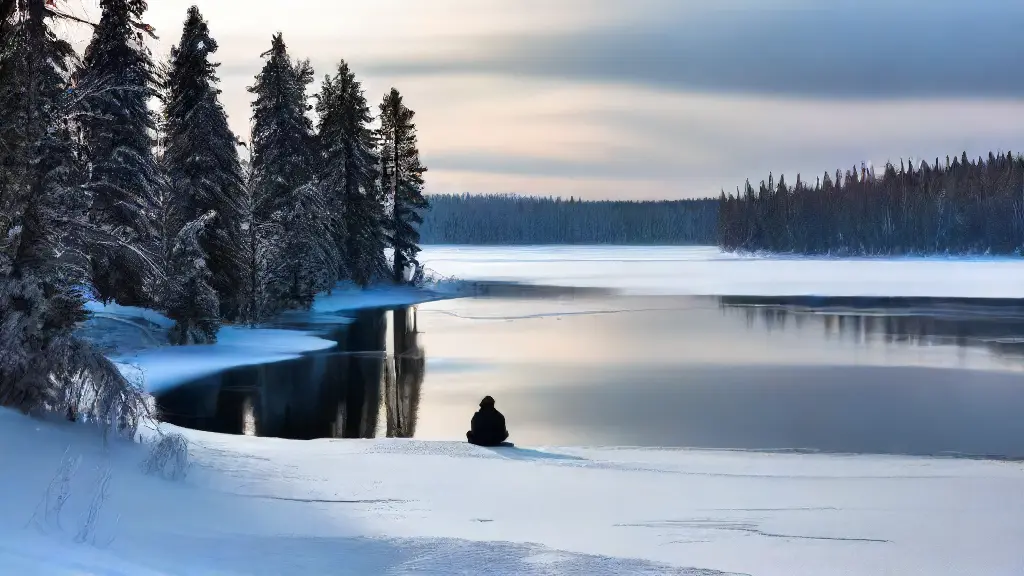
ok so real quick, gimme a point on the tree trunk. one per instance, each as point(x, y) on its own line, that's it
point(399, 258)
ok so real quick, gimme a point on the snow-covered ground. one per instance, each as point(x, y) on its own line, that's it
point(267, 506)
point(670, 270)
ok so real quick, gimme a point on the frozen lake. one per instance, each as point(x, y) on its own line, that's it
point(595, 367)
point(682, 270)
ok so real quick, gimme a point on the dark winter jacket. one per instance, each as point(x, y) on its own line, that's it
point(487, 427)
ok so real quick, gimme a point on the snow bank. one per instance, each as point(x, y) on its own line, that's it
point(707, 271)
point(128, 312)
point(136, 338)
point(142, 349)
point(169, 366)
point(269, 506)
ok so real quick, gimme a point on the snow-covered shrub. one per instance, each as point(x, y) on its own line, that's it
point(44, 367)
point(168, 458)
point(430, 279)
point(100, 393)
point(418, 277)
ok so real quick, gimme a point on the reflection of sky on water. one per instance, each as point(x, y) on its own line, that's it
point(672, 330)
point(686, 372)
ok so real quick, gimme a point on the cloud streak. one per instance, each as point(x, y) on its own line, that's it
point(864, 50)
point(649, 98)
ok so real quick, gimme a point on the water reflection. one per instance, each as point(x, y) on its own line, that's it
point(338, 393)
point(996, 326)
point(838, 375)
point(404, 377)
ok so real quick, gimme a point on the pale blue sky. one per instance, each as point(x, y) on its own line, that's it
point(650, 98)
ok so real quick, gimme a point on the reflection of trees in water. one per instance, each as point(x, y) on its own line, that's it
point(352, 393)
point(332, 394)
point(997, 326)
point(403, 379)
point(335, 394)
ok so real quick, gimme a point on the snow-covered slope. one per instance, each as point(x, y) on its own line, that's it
point(268, 506)
point(673, 270)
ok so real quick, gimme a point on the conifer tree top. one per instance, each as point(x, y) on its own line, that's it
point(190, 57)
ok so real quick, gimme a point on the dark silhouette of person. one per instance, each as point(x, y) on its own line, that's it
point(488, 425)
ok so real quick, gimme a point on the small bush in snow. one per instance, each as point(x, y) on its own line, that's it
point(168, 458)
point(48, 510)
point(87, 531)
point(430, 279)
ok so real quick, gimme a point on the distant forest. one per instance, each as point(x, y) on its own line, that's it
point(507, 219)
point(957, 207)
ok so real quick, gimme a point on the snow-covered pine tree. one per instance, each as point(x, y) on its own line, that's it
point(311, 258)
point(184, 291)
point(287, 192)
point(167, 224)
point(119, 127)
point(192, 303)
point(43, 232)
point(202, 157)
point(348, 176)
point(13, 139)
point(260, 263)
point(402, 181)
point(167, 220)
point(331, 137)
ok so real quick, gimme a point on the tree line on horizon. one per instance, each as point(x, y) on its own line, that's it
point(509, 219)
point(961, 206)
point(103, 197)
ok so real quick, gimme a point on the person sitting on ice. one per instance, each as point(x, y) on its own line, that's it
point(488, 425)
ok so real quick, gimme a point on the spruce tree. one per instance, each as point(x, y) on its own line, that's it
point(43, 232)
point(402, 180)
point(260, 262)
point(184, 293)
point(286, 191)
point(119, 129)
point(14, 141)
point(192, 302)
point(202, 156)
point(348, 176)
point(167, 223)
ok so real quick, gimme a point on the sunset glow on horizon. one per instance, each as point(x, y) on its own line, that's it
point(647, 99)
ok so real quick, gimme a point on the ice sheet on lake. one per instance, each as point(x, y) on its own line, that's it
point(669, 270)
point(347, 297)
